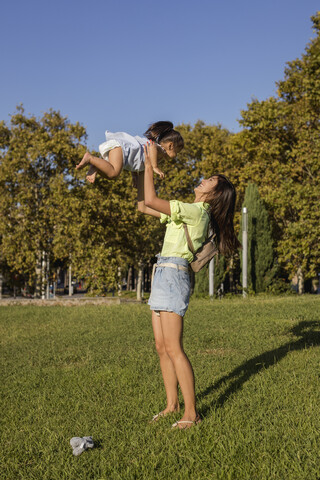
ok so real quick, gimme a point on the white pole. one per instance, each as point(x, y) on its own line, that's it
point(47, 278)
point(244, 251)
point(139, 282)
point(43, 276)
point(211, 277)
point(70, 281)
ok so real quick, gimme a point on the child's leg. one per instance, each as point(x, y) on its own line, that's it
point(106, 168)
point(116, 161)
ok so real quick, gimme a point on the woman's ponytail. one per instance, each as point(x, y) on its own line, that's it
point(164, 132)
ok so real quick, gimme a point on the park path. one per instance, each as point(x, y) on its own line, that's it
point(67, 301)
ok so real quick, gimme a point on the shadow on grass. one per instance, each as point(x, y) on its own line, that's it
point(308, 336)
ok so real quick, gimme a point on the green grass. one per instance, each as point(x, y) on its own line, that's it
point(93, 370)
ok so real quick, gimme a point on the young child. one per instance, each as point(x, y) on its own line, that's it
point(121, 150)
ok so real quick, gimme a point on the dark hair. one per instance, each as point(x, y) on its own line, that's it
point(164, 132)
point(222, 204)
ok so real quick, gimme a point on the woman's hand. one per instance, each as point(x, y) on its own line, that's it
point(150, 154)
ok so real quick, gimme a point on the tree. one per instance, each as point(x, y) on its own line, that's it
point(112, 233)
point(262, 265)
point(49, 211)
point(280, 146)
point(37, 157)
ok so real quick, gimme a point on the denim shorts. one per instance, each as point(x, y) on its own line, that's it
point(170, 291)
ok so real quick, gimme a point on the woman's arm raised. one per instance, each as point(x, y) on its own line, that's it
point(141, 205)
point(151, 199)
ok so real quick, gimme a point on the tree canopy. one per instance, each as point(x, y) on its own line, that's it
point(46, 205)
point(280, 150)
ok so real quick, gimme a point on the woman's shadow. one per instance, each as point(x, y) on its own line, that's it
point(308, 336)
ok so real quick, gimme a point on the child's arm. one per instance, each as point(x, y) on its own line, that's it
point(151, 199)
point(154, 164)
point(158, 172)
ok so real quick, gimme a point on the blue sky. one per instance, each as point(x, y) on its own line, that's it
point(121, 64)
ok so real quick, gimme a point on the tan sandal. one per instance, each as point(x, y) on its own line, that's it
point(187, 422)
point(157, 417)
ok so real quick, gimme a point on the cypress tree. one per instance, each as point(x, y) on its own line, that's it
point(262, 265)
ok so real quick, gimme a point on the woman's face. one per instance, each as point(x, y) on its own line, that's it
point(207, 185)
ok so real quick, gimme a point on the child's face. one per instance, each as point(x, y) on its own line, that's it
point(170, 149)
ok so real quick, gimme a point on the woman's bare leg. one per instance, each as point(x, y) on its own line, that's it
point(167, 369)
point(172, 330)
point(106, 168)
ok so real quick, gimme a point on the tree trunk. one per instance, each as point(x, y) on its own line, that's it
point(129, 278)
point(47, 278)
point(70, 281)
point(119, 282)
point(37, 292)
point(140, 283)
point(231, 275)
point(43, 276)
point(147, 278)
point(300, 281)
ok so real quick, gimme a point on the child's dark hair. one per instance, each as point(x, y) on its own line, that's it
point(164, 132)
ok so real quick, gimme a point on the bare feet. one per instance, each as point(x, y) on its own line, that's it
point(85, 161)
point(91, 174)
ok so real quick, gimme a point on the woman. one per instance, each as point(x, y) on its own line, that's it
point(214, 201)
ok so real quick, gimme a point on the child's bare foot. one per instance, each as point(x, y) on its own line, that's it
point(91, 174)
point(85, 161)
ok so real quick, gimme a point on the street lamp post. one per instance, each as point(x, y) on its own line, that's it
point(244, 251)
point(211, 277)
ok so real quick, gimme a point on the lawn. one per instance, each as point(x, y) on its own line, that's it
point(93, 370)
